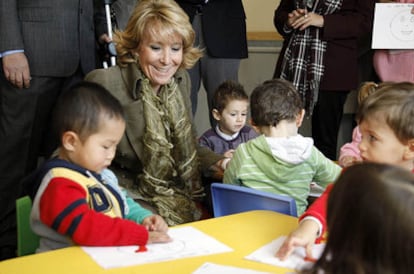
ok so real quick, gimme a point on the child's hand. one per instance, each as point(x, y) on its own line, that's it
point(155, 223)
point(158, 237)
point(229, 153)
point(347, 161)
point(305, 235)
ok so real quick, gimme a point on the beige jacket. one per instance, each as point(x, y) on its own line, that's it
point(124, 84)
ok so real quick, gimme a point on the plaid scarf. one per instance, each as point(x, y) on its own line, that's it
point(303, 60)
point(171, 177)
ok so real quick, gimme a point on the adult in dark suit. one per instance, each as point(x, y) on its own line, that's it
point(220, 27)
point(320, 56)
point(45, 46)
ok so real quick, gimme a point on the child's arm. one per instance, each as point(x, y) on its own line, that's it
point(327, 171)
point(204, 140)
point(305, 235)
point(230, 173)
point(349, 153)
point(136, 212)
point(311, 228)
point(145, 217)
point(63, 207)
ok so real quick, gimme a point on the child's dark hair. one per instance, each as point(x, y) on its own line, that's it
point(394, 104)
point(370, 222)
point(83, 108)
point(273, 101)
point(226, 92)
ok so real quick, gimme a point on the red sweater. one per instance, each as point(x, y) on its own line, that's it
point(83, 208)
point(318, 209)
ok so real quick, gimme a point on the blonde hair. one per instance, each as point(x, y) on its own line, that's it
point(160, 19)
point(367, 88)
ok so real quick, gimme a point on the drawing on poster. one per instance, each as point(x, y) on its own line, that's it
point(402, 25)
point(393, 26)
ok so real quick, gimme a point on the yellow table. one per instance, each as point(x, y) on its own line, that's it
point(244, 232)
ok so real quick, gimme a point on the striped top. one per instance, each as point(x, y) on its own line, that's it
point(284, 166)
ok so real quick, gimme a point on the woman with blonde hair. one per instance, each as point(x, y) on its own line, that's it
point(158, 159)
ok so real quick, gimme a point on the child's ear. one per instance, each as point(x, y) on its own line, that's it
point(253, 125)
point(409, 153)
point(216, 114)
point(299, 118)
point(69, 140)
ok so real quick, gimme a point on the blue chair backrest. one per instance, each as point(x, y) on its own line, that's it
point(231, 199)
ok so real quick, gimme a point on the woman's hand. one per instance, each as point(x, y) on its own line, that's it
point(155, 223)
point(300, 19)
point(305, 236)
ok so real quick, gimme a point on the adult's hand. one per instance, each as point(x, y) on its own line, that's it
point(301, 20)
point(16, 69)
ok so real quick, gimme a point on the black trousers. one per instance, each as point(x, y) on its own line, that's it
point(326, 120)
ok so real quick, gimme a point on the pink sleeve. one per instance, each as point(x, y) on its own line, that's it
point(351, 149)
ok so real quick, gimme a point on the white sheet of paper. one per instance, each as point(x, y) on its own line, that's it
point(210, 268)
point(187, 242)
point(393, 26)
point(266, 254)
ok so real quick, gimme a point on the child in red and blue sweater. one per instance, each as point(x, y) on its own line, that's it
point(78, 200)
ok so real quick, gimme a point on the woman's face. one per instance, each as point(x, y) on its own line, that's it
point(159, 59)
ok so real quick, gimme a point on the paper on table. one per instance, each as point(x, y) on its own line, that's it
point(266, 254)
point(393, 26)
point(187, 242)
point(210, 268)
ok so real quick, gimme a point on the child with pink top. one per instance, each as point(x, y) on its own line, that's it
point(349, 153)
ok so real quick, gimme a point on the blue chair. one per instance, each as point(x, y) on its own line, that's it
point(231, 199)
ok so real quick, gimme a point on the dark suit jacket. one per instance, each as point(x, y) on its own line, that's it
point(341, 31)
point(55, 34)
point(224, 26)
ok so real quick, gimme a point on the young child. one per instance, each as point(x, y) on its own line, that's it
point(230, 109)
point(386, 121)
point(370, 219)
point(349, 153)
point(78, 201)
point(280, 160)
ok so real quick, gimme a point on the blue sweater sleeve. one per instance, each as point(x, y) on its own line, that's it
point(136, 212)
